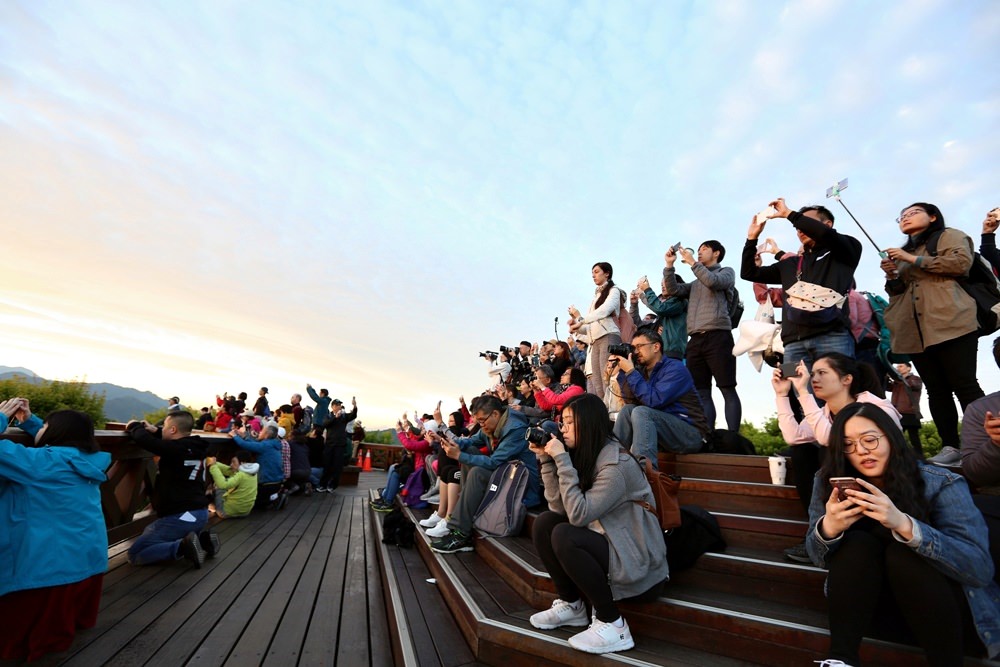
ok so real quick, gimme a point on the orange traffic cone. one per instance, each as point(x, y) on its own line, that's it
point(361, 458)
point(368, 462)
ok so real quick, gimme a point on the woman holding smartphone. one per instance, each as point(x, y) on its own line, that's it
point(932, 318)
point(907, 554)
point(598, 327)
point(597, 541)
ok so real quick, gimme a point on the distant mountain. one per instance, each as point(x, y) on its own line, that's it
point(120, 403)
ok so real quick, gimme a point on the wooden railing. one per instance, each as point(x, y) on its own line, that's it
point(125, 496)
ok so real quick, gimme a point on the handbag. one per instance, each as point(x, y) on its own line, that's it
point(665, 487)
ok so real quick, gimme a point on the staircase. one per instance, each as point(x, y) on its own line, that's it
point(746, 606)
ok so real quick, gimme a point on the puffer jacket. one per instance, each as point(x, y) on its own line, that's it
point(240, 486)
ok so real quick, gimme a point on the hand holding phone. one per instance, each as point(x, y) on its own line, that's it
point(842, 484)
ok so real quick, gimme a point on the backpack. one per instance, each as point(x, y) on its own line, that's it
point(397, 529)
point(305, 426)
point(414, 487)
point(885, 354)
point(665, 488)
point(981, 284)
point(623, 320)
point(724, 441)
point(735, 306)
point(698, 533)
point(502, 511)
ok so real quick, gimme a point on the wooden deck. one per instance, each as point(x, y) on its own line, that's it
point(297, 587)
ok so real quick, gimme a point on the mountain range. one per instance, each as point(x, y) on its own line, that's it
point(120, 403)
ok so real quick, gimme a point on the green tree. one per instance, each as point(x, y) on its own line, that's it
point(766, 439)
point(48, 396)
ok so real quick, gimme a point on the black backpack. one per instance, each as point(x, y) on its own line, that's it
point(698, 533)
point(981, 284)
point(305, 426)
point(724, 441)
point(397, 529)
point(735, 305)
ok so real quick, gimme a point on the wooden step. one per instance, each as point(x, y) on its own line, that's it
point(769, 500)
point(723, 467)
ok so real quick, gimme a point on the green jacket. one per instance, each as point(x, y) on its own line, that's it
point(240, 487)
point(671, 314)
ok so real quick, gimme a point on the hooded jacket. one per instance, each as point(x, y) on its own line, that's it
point(272, 467)
point(50, 508)
point(506, 444)
point(240, 487)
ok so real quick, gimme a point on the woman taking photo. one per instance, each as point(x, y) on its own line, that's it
point(53, 541)
point(907, 551)
point(838, 380)
point(932, 318)
point(597, 542)
point(598, 328)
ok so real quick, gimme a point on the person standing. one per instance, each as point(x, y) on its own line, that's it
point(710, 348)
point(598, 327)
point(322, 411)
point(336, 444)
point(906, 398)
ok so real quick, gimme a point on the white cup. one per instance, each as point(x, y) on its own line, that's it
point(778, 469)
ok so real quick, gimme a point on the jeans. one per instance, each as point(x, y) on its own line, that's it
point(645, 430)
point(314, 475)
point(391, 485)
point(162, 539)
point(816, 346)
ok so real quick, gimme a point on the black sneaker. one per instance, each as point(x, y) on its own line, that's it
point(191, 549)
point(210, 543)
point(380, 505)
point(453, 542)
point(798, 554)
point(282, 500)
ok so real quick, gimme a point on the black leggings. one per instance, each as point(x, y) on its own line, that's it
point(577, 560)
point(949, 368)
point(874, 578)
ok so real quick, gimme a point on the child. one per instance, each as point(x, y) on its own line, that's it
point(235, 485)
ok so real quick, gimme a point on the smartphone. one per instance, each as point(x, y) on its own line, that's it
point(790, 369)
point(844, 483)
point(675, 248)
point(762, 216)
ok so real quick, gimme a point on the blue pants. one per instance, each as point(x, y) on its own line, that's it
point(811, 348)
point(162, 539)
point(646, 430)
point(391, 485)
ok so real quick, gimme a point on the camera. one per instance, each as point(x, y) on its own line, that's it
point(621, 349)
point(537, 436)
point(488, 354)
point(509, 351)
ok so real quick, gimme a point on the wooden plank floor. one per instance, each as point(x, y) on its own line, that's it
point(297, 587)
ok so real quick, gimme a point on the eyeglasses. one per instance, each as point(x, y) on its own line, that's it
point(869, 443)
point(482, 419)
point(642, 344)
point(908, 214)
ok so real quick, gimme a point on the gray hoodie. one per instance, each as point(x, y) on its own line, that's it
point(708, 305)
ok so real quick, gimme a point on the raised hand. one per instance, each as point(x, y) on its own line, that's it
point(780, 210)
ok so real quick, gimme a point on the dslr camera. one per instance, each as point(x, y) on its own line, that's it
point(621, 349)
point(489, 354)
point(538, 436)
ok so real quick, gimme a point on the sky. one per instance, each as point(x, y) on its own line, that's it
point(206, 197)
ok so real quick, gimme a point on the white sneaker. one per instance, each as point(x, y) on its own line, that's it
point(603, 637)
point(440, 530)
point(829, 662)
point(430, 521)
point(561, 613)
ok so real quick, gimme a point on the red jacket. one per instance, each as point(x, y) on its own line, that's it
point(547, 399)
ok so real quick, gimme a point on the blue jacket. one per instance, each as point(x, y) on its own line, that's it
point(52, 529)
point(669, 388)
point(507, 444)
point(672, 317)
point(322, 410)
point(268, 452)
point(957, 544)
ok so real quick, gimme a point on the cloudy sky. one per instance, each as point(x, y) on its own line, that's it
point(206, 197)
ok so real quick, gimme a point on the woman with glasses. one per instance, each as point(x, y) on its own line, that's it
point(906, 549)
point(931, 317)
point(597, 542)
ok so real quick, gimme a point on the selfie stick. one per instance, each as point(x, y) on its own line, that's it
point(556, 327)
point(834, 192)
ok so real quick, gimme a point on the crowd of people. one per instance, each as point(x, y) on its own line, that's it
point(910, 550)
point(626, 386)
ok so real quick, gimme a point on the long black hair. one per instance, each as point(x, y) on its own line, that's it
point(901, 480)
point(937, 225)
point(592, 427)
point(606, 267)
point(863, 376)
point(458, 429)
point(70, 428)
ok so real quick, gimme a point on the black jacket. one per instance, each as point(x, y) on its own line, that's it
point(831, 263)
point(336, 428)
point(180, 484)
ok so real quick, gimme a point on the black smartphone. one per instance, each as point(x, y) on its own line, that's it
point(790, 369)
